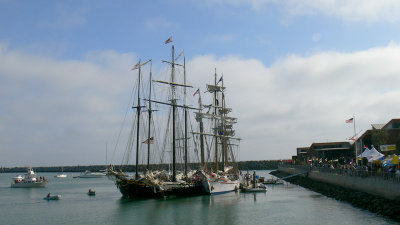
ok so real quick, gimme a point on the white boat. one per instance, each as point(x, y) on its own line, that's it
point(52, 197)
point(88, 174)
point(28, 180)
point(222, 186)
point(61, 175)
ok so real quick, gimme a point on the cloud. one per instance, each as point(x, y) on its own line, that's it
point(352, 11)
point(58, 112)
point(304, 99)
point(62, 112)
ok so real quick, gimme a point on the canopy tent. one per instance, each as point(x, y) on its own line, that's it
point(374, 155)
point(371, 154)
point(366, 153)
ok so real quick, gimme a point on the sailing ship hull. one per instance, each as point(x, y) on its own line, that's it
point(137, 189)
point(133, 189)
point(221, 187)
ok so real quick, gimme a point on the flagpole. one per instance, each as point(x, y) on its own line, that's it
point(354, 124)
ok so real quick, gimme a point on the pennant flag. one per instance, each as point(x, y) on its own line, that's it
point(197, 92)
point(169, 40)
point(149, 141)
point(136, 66)
point(220, 79)
point(350, 120)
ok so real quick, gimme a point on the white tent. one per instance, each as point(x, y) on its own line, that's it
point(374, 155)
point(371, 154)
point(366, 153)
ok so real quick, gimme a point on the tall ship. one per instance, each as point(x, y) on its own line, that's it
point(28, 180)
point(153, 182)
point(219, 145)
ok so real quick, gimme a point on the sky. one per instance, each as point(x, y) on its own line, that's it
point(294, 71)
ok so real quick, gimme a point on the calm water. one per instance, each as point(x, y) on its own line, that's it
point(283, 204)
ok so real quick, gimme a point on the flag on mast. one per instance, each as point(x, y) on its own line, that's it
point(350, 120)
point(136, 66)
point(149, 141)
point(197, 92)
point(220, 79)
point(169, 40)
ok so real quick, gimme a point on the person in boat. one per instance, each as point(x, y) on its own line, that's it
point(48, 195)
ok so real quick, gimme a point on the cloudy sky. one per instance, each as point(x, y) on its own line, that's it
point(295, 70)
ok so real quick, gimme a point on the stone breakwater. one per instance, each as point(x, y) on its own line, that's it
point(383, 206)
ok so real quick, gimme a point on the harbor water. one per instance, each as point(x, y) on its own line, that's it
point(281, 204)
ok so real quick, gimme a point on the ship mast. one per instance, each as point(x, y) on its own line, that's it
point(138, 109)
point(173, 116)
point(223, 139)
point(174, 105)
point(215, 122)
point(201, 135)
point(186, 138)
point(149, 124)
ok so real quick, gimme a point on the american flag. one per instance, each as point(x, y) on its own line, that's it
point(349, 120)
point(151, 140)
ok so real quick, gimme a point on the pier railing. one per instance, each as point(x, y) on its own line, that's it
point(355, 172)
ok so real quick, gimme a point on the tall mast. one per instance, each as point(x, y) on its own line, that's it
point(173, 117)
point(186, 138)
point(149, 124)
point(223, 139)
point(215, 122)
point(137, 126)
point(201, 134)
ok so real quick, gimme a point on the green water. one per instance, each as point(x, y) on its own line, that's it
point(282, 204)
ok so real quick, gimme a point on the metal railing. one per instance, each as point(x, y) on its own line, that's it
point(363, 172)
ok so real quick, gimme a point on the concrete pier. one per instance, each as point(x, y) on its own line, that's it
point(375, 185)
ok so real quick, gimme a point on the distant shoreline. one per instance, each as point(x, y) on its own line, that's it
point(243, 165)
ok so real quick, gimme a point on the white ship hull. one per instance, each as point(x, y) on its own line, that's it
point(29, 184)
point(221, 187)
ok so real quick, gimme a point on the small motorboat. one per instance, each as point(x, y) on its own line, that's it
point(273, 181)
point(88, 174)
point(91, 192)
point(52, 197)
point(259, 188)
point(62, 175)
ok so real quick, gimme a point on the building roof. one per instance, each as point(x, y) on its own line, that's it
point(378, 126)
point(390, 122)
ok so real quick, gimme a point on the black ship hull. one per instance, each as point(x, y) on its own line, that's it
point(133, 189)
